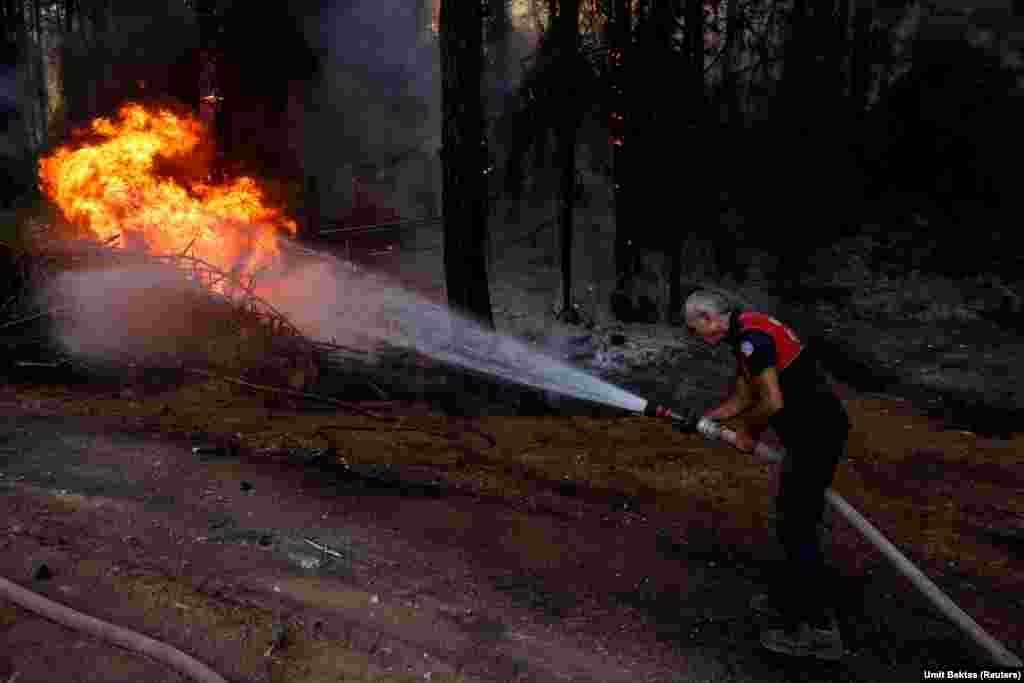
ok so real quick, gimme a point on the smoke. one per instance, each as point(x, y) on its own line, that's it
point(376, 108)
point(123, 313)
point(333, 301)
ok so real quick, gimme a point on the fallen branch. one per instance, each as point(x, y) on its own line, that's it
point(450, 435)
point(289, 392)
point(324, 549)
point(184, 252)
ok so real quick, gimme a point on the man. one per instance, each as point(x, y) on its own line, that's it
point(779, 385)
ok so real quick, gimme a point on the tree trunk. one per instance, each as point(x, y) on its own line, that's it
point(39, 57)
point(796, 111)
point(621, 38)
point(211, 108)
point(860, 61)
point(497, 36)
point(568, 31)
point(464, 160)
point(31, 87)
point(733, 49)
point(93, 39)
point(797, 66)
point(54, 40)
point(841, 51)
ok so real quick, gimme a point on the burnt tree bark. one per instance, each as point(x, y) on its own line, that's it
point(211, 106)
point(621, 38)
point(694, 98)
point(795, 122)
point(733, 48)
point(499, 26)
point(31, 75)
point(464, 159)
point(567, 31)
point(860, 60)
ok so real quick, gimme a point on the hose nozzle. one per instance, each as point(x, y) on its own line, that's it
point(653, 410)
point(685, 422)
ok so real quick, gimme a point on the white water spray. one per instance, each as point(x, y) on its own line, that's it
point(130, 309)
point(359, 307)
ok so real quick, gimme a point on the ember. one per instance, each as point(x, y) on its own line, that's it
point(109, 183)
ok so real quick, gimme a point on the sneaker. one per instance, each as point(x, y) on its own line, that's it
point(805, 641)
point(762, 604)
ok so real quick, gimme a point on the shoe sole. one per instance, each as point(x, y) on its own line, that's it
point(832, 653)
point(835, 653)
point(825, 655)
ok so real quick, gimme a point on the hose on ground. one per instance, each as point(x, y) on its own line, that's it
point(992, 647)
point(116, 635)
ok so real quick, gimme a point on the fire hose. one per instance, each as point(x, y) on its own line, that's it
point(713, 431)
point(116, 635)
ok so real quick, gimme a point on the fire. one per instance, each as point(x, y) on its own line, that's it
point(109, 183)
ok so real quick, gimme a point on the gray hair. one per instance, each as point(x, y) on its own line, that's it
point(713, 302)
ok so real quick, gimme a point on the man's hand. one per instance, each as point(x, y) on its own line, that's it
point(687, 421)
point(745, 441)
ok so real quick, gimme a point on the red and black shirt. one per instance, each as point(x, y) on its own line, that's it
point(759, 341)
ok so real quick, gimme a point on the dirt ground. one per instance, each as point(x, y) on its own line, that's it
point(416, 546)
point(485, 549)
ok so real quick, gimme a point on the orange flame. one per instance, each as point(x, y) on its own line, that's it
point(110, 185)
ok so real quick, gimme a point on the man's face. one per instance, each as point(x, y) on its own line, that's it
point(709, 329)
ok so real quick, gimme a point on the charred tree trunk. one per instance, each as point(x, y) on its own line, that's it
point(464, 159)
point(734, 114)
point(39, 57)
point(840, 53)
point(93, 41)
point(567, 35)
point(212, 110)
point(499, 26)
point(54, 38)
point(695, 104)
point(621, 38)
point(797, 67)
point(500, 100)
point(860, 60)
point(796, 126)
point(31, 89)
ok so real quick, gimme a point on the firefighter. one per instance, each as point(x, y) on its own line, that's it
point(779, 385)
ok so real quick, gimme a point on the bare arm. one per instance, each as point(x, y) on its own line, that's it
point(768, 401)
point(742, 399)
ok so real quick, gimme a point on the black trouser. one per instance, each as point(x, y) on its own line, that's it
point(807, 472)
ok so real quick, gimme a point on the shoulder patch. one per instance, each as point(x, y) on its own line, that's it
point(747, 348)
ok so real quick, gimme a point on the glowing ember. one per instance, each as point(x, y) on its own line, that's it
point(110, 184)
